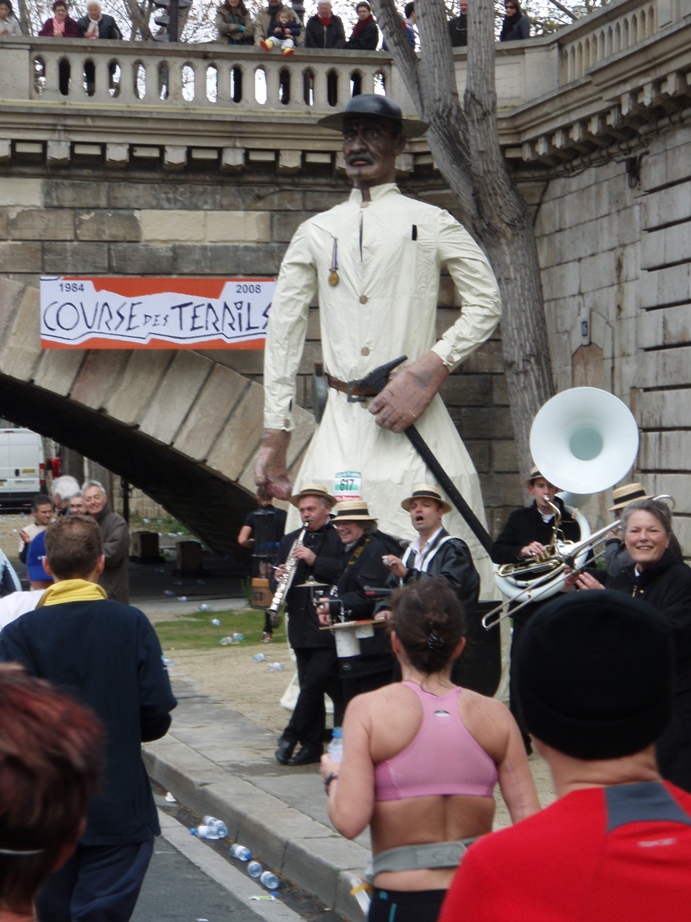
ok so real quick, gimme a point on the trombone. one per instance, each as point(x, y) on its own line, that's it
point(567, 555)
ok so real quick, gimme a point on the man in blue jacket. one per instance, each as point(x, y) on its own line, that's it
point(108, 655)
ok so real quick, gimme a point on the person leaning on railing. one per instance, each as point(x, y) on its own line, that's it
point(9, 24)
point(97, 24)
point(234, 24)
point(365, 34)
point(61, 24)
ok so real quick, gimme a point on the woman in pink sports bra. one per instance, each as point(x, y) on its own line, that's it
point(420, 761)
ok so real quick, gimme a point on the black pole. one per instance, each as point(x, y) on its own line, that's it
point(425, 452)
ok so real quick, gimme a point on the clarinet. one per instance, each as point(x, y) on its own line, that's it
point(286, 580)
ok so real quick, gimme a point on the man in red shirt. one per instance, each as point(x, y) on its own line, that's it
point(595, 672)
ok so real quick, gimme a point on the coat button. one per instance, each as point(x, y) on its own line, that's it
point(364, 350)
point(363, 299)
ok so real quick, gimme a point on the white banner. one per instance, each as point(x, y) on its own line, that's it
point(148, 313)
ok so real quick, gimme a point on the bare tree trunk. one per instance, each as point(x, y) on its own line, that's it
point(465, 146)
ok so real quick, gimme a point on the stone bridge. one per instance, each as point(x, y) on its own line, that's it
point(200, 160)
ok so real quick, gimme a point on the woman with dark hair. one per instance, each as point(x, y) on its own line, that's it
point(659, 576)
point(365, 34)
point(234, 23)
point(61, 24)
point(516, 25)
point(421, 758)
point(50, 764)
point(9, 24)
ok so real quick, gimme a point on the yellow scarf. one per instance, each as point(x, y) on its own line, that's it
point(72, 590)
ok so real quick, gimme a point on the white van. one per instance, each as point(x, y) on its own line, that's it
point(22, 468)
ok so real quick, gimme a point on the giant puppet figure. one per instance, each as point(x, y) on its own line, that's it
point(375, 261)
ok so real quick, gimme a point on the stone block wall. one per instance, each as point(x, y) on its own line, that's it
point(91, 221)
point(615, 250)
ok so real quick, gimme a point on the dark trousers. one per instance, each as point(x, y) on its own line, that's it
point(99, 883)
point(318, 676)
point(358, 685)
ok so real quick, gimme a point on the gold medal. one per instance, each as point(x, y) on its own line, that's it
point(333, 274)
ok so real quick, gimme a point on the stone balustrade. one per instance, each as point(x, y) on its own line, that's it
point(588, 86)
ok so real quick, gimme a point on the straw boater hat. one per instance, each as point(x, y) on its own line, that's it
point(535, 472)
point(622, 496)
point(312, 489)
point(353, 510)
point(425, 491)
point(372, 105)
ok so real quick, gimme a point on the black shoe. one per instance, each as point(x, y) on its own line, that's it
point(284, 751)
point(306, 756)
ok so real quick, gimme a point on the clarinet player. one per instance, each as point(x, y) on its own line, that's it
point(317, 555)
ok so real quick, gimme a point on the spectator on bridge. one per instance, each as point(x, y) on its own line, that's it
point(115, 537)
point(62, 491)
point(283, 32)
point(97, 24)
point(234, 24)
point(60, 25)
point(9, 24)
point(266, 19)
point(458, 27)
point(324, 29)
point(50, 765)
point(365, 34)
point(516, 24)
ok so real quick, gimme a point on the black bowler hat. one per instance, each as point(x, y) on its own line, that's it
point(372, 105)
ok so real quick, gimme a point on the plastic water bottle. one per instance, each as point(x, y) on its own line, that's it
point(237, 638)
point(218, 825)
point(214, 621)
point(259, 657)
point(275, 667)
point(241, 852)
point(269, 880)
point(211, 828)
point(254, 869)
point(205, 607)
point(335, 748)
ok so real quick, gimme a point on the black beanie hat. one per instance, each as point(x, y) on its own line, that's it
point(593, 673)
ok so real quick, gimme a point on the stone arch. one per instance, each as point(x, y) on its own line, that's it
point(179, 425)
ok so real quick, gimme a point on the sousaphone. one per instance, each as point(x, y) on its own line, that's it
point(584, 440)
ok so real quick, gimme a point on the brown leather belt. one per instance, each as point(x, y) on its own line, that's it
point(350, 388)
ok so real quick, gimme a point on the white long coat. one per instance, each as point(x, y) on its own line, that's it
point(388, 255)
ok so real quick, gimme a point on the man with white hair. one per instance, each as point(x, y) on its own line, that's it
point(115, 536)
point(97, 24)
point(61, 492)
